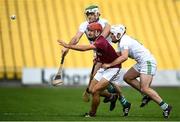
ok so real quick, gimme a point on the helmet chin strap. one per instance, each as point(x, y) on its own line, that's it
point(119, 38)
point(116, 36)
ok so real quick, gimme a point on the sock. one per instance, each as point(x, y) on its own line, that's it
point(111, 89)
point(163, 105)
point(123, 101)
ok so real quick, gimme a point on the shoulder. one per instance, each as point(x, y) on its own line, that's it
point(85, 23)
point(125, 42)
point(83, 26)
point(126, 39)
point(102, 20)
point(100, 41)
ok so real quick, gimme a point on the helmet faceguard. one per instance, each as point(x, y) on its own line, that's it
point(92, 9)
point(118, 30)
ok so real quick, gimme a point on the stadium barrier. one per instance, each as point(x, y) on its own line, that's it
point(80, 76)
point(32, 76)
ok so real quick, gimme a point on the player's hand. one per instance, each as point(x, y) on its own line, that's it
point(62, 43)
point(105, 66)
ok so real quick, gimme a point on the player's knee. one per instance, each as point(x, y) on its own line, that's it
point(94, 91)
point(126, 78)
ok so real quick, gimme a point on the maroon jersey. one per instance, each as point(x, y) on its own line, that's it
point(105, 52)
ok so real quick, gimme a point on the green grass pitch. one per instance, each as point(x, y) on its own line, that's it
point(65, 104)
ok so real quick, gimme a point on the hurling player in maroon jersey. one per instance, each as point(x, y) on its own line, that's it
point(105, 54)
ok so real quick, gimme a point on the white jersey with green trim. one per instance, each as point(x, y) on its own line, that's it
point(136, 50)
point(83, 26)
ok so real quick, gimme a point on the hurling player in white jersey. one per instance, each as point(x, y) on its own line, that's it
point(145, 67)
point(92, 15)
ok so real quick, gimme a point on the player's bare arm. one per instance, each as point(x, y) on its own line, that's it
point(119, 60)
point(77, 47)
point(106, 30)
point(73, 41)
point(76, 38)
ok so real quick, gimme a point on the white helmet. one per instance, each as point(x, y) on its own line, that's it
point(93, 9)
point(118, 29)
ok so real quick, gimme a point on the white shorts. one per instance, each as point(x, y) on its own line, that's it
point(120, 78)
point(110, 74)
point(147, 67)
